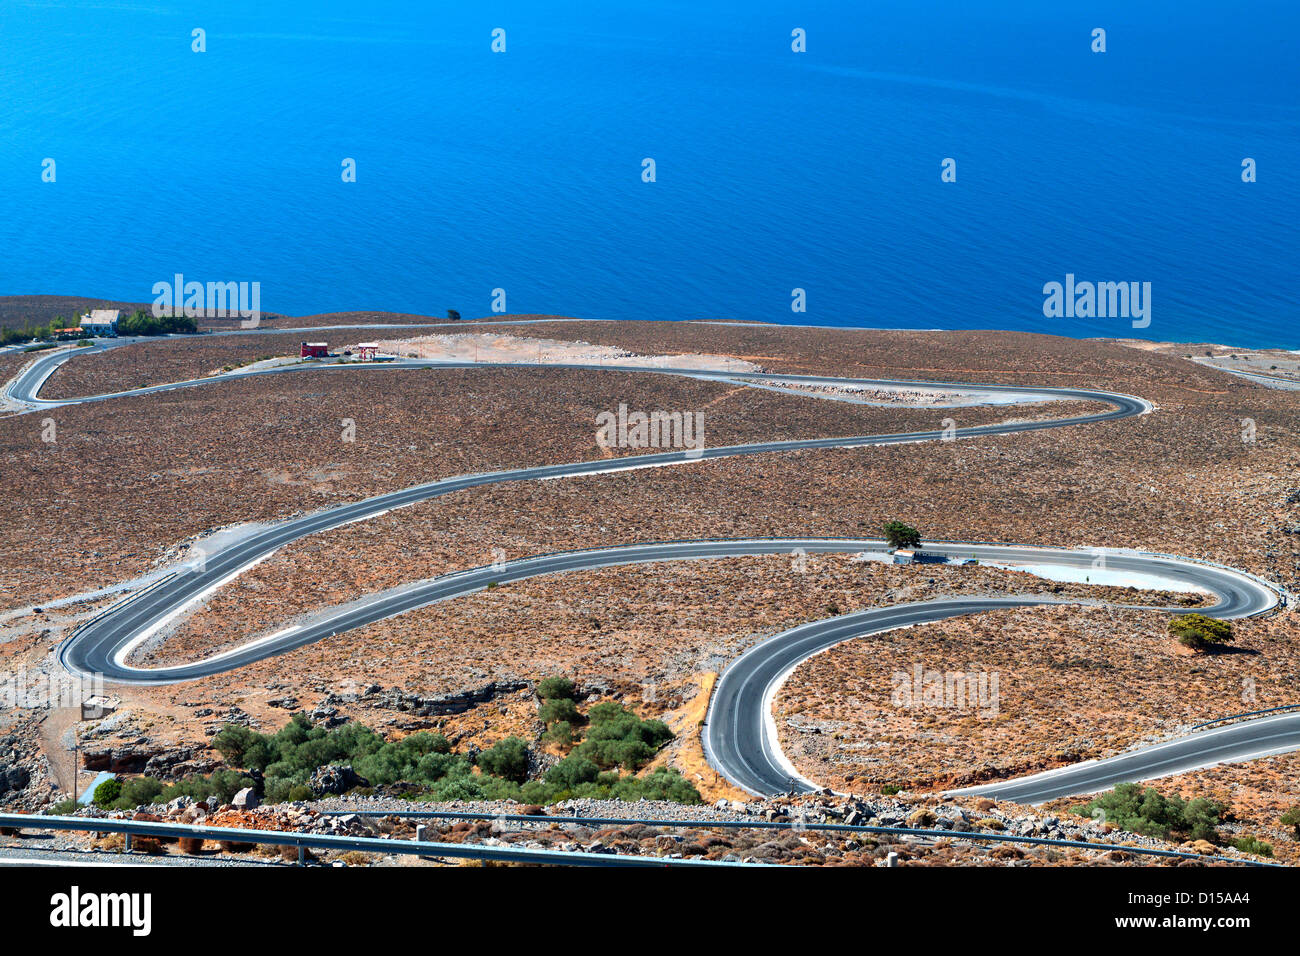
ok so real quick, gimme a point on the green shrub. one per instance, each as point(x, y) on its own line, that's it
point(141, 322)
point(556, 688)
point(220, 785)
point(301, 746)
point(507, 759)
point(138, 792)
point(561, 732)
point(556, 709)
point(107, 792)
point(619, 738)
point(420, 758)
point(287, 758)
point(1251, 844)
point(662, 783)
point(572, 771)
point(1292, 819)
point(1149, 813)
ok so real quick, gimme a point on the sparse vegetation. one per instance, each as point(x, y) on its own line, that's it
point(49, 333)
point(558, 711)
point(220, 785)
point(619, 738)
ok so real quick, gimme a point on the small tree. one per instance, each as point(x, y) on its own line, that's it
point(453, 315)
point(1201, 633)
point(900, 535)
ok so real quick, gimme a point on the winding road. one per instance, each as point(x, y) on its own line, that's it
point(739, 735)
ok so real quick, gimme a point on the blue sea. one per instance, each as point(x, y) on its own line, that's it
point(775, 170)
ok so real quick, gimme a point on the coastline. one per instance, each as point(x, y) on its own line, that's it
point(36, 308)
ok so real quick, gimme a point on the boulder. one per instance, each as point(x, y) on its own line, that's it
point(14, 778)
point(334, 780)
point(246, 799)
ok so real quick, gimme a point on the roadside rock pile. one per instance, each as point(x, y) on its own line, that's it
point(25, 781)
point(915, 843)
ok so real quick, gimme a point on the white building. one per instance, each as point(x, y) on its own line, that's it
point(100, 322)
point(97, 707)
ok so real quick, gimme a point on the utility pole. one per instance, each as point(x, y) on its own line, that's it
point(74, 766)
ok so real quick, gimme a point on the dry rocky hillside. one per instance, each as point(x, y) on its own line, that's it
point(129, 483)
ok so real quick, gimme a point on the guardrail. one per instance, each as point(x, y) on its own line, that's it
point(1282, 593)
point(797, 825)
point(112, 608)
point(1245, 714)
point(316, 841)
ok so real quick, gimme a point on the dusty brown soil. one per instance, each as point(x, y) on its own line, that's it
point(593, 626)
point(667, 597)
point(129, 479)
point(113, 497)
point(1072, 684)
point(999, 357)
point(164, 361)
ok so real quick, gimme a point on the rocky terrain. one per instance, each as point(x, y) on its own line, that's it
point(127, 484)
point(193, 461)
point(1068, 684)
point(796, 841)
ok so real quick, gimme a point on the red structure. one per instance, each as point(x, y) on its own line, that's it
point(315, 350)
point(367, 351)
